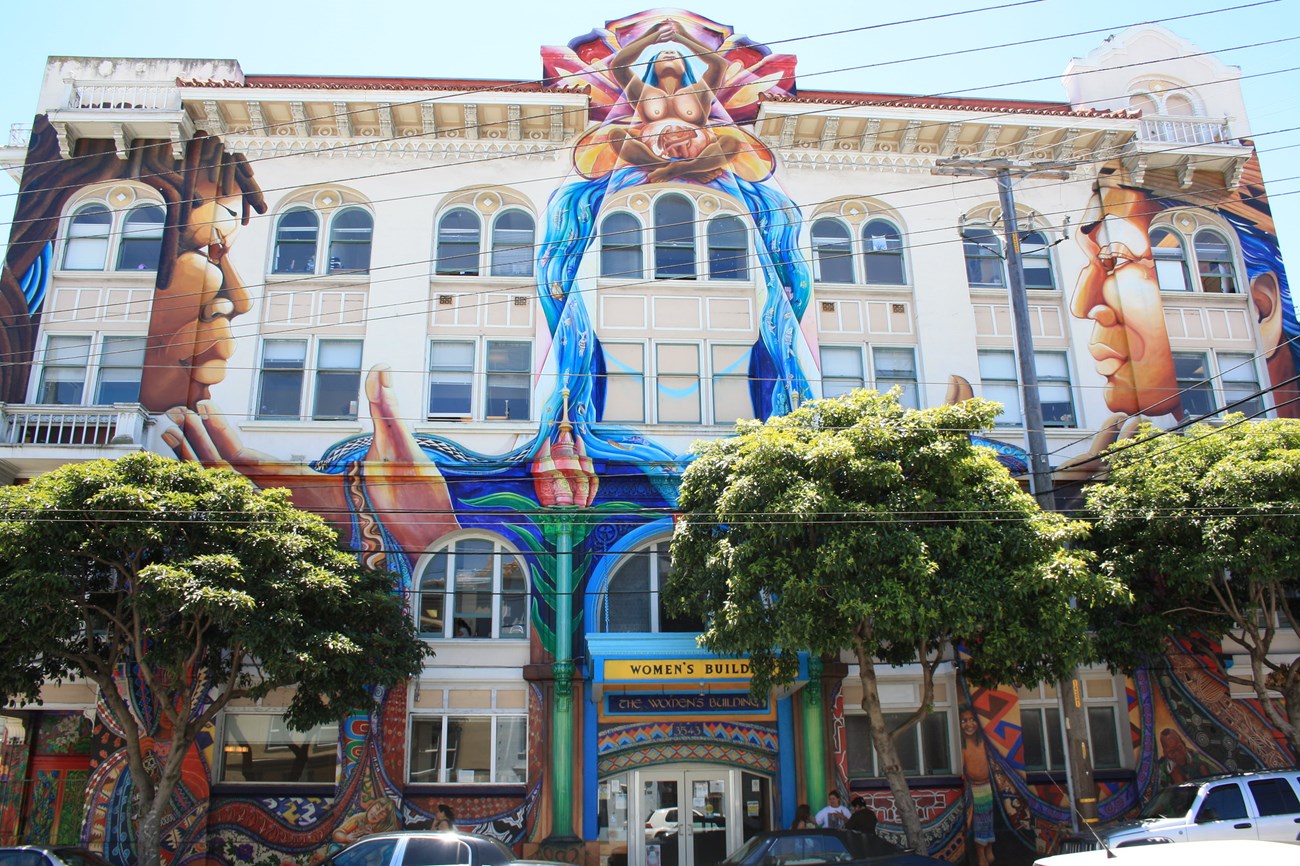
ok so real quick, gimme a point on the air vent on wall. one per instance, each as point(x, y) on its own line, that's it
point(828, 306)
point(898, 308)
point(521, 300)
point(446, 300)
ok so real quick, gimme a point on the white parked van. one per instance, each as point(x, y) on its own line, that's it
point(1256, 806)
point(1242, 852)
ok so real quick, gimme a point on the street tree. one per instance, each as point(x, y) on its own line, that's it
point(199, 589)
point(1202, 529)
point(857, 525)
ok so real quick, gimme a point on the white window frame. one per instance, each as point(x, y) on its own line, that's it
point(93, 367)
point(480, 376)
point(323, 740)
point(849, 255)
point(515, 630)
point(320, 260)
point(656, 553)
point(884, 383)
point(1193, 278)
point(700, 376)
point(1000, 384)
point(113, 236)
point(632, 276)
point(718, 377)
point(309, 385)
point(839, 383)
point(617, 379)
point(899, 255)
point(441, 771)
point(943, 712)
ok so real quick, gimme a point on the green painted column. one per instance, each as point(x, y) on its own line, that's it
point(814, 736)
point(563, 748)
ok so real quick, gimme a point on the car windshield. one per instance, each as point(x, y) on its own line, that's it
point(1171, 802)
point(741, 854)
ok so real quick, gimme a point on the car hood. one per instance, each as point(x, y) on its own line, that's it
point(1145, 827)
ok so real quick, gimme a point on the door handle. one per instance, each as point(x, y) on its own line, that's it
point(1245, 826)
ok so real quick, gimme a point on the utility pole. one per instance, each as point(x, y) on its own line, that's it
point(1083, 787)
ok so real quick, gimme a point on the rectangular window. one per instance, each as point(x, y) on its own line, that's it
point(283, 371)
point(338, 379)
point(624, 382)
point(677, 383)
point(259, 747)
point(897, 367)
point(1054, 395)
point(63, 377)
point(1000, 383)
point(451, 378)
point(121, 360)
point(1240, 383)
point(731, 384)
point(923, 750)
point(841, 370)
point(508, 367)
point(469, 749)
point(1103, 734)
point(1041, 734)
point(1193, 374)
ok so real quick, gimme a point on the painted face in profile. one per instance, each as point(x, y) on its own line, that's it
point(1118, 291)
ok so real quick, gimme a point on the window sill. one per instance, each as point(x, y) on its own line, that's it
point(350, 278)
point(897, 289)
point(296, 425)
point(112, 276)
point(913, 782)
point(480, 789)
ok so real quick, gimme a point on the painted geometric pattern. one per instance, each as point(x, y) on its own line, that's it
point(668, 753)
point(74, 804)
point(632, 736)
point(45, 794)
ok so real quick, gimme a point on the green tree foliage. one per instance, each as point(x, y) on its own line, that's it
point(199, 585)
point(1202, 528)
point(855, 524)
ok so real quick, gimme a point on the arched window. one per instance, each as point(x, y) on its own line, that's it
point(882, 247)
point(674, 238)
point(351, 231)
point(832, 252)
point(1214, 260)
point(1144, 103)
point(632, 600)
point(1036, 261)
point(1171, 261)
point(141, 244)
point(88, 239)
point(728, 248)
point(295, 243)
point(620, 247)
point(983, 259)
point(474, 588)
point(458, 243)
point(512, 244)
point(1178, 105)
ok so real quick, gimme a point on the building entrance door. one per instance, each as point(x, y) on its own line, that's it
point(694, 817)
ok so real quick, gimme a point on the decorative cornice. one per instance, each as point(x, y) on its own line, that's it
point(414, 145)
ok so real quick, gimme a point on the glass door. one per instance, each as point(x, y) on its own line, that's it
point(690, 817)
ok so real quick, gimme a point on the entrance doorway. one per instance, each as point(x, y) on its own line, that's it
point(689, 816)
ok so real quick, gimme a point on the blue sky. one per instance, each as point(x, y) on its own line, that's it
point(501, 40)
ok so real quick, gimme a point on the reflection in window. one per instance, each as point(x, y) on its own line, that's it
point(1214, 259)
point(620, 247)
point(512, 244)
point(141, 239)
point(458, 243)
point(1171, 261)
point(1193, 375)
point(259, 747)
point(475, 588)
point(295, 243)
point(674, 238)
point(338, 379)
point(677, 383)
point(1240, 385)
point(283, 370)
point(63, 377)
point(469, 749)
point(832, 252)
point(451, 378)
point(841, 370)
point(88, 239)
point(351, 232)
point(897, 368)
point(882, 250)
point(624, 382)
point(983, 259)
point(120, 364)
point(1036, 261)
point(923, 750)
point(728, 244)
point(1000, 382)
point(509, 365)
point(1054, 394)
point(632, 601)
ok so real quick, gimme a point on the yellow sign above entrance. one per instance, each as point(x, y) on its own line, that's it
point(658, 670)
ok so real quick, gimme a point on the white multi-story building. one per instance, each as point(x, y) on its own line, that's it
point(533, 297)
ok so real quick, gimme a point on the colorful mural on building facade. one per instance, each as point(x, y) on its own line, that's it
point(673, 97)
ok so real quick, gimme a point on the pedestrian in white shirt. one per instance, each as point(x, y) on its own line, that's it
point(833, 815)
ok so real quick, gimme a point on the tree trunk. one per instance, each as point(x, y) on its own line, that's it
point(149, 835)
point(888, 754)
point(1291, 697)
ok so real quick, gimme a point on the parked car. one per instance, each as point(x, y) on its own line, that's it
point(59, 855)
point(425, 848)
point(845, 847)
point(662, 823)
point(1216, 853)
point(1263, 805)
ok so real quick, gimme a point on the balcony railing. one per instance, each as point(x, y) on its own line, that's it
point(19, 134)
point(74, 426)
point(132, 97)
point(1184, 130)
